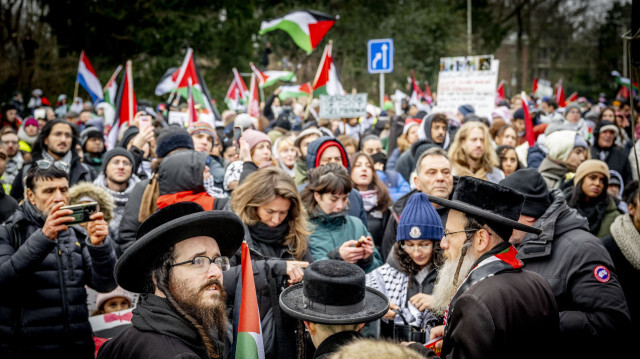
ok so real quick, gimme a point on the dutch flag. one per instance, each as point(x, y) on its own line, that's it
point(88, 79)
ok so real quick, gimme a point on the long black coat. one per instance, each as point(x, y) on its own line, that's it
point(43, 309)
point(269, 264)
point(507, 315)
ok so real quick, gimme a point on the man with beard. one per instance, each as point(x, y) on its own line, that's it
point(56, 143)
point(118, 180)
point(492, 307)
point(177, 263)
point(472, 153)
point(9, 143)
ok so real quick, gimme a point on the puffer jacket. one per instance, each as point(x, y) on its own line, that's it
point(330, 231)
point(591, 309)
point(43, 309)
point(269, 264)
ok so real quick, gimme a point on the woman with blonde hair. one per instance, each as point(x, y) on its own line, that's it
point(276, 232)
point(284, 151)
point(472, 153)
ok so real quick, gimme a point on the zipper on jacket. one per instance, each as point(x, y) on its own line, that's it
point(63, 292)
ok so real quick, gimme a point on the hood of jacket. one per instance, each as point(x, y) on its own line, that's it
point(314, 147)
point(424, 132)
point(557, 220)
point(182, 171)
point(596, 134)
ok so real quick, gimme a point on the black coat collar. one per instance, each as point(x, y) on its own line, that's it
point(334, 342)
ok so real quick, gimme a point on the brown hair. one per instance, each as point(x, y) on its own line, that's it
point(262, 187)
point(458, 158)
point(329, 178)
point(384, 199)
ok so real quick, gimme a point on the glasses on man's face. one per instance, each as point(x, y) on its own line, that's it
point(44, 164)
point(202, 263)
point(411, 248)
point(447, 234)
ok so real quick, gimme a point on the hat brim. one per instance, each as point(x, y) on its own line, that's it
point(479, 212)
point(376, 306)
point(133, 270)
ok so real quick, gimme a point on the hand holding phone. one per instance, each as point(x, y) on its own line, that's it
point(144, 123)
point(81, 212)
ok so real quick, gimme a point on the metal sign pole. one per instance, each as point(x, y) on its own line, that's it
point(381, 89)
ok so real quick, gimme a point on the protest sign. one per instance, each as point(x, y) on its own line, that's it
point(343, 106)
point(544, 89)
point(468, 80)
point(180, 118)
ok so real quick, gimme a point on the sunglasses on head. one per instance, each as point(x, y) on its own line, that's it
point(44, 164)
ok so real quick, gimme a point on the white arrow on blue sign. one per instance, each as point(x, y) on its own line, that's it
point(380, 56)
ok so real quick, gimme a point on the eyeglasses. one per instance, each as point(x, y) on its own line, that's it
point(44, 164)
point(202, 263)
point(412, 248)
point(447, 234)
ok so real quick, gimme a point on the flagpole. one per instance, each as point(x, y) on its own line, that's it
point(75, 91)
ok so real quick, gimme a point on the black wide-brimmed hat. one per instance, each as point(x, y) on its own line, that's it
point(334, 292)
point(165, 228)
point(495, 203)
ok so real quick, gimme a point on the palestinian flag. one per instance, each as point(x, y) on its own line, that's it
point(535, 85)
point(326, 81)
point(249, 344)
point(573, 97)
point(624, 81)
point(111, 89)
point(427, 93)
point(528, 123)
point(416, 94)
point(177, 80)
point(268, 78)
point(126, 107)
point(237, 95)
point(254, 98)
point(295, 91)
point(193, 114)
point(306, 28)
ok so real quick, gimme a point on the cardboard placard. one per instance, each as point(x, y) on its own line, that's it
point(468, 86)
point(180, 118)
point(343, 106)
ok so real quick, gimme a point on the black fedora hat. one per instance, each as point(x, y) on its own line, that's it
point(167, 227)
point(334, 292)
point(495, 203)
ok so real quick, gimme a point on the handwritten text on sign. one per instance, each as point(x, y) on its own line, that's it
point(475, 88)
point(344, 106)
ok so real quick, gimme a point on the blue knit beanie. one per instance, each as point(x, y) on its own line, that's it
point(419, 220)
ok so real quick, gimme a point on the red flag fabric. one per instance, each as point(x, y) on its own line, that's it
point(528, 123)
point(535, 85)
point(416, 94)
point(560, 96)
point(254, 97)
point(500, 91)
point(193, 114)
point(126, 107)
point(249, 343)
point(573, 97)
point(427, 92)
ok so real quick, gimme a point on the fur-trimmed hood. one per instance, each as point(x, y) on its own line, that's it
point(81, 189)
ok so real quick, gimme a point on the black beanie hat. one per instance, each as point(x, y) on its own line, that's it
point(283, 121)
point(530, 183)
point(118, 151)
point(128, 135)
point(172, 139)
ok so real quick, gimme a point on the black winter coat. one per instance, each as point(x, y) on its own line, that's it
point(567, 255)
point(157, 331)
point(129, 223)
point(269, 263)
point(43, 309)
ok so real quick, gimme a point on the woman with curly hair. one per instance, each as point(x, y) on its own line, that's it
point(276, 232)
point(375, 195)
point(409, 275)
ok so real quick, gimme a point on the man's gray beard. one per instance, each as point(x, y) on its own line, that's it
point(445, 288)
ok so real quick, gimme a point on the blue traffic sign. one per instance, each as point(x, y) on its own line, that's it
point(380, 56)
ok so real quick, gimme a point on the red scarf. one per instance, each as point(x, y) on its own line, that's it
point(201, 198)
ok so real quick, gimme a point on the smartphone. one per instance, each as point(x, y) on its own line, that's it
point(237, 133)
point(81, 212)
point(39, 113)
point(144, 122)
point(360, 241)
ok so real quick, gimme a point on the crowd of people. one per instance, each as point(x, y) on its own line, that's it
point(410, 226)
